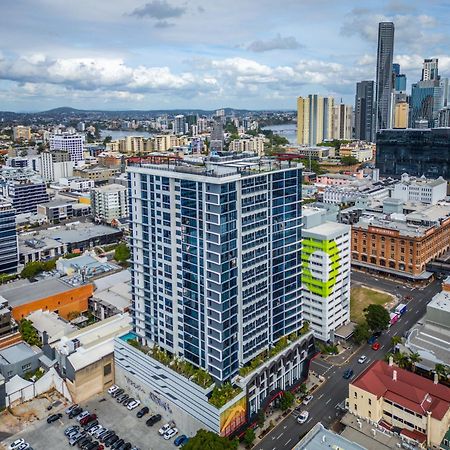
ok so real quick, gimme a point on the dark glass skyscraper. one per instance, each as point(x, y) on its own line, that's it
point(9, 251)
point(384, 80)
point(364, 110)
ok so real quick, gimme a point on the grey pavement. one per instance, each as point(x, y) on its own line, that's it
point(327, 398)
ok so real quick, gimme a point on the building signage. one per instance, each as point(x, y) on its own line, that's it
point(151, 395)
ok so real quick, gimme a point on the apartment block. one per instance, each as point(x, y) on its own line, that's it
point(9, 248)
point(71, 143)
point(109, 203)
point(326, 273)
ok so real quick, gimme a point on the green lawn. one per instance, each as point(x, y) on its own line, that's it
point(361, 297)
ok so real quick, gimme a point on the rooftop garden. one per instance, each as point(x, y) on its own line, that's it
point(221, 395)
point(284, 342)
point(179, 365)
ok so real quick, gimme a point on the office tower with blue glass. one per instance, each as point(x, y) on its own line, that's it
point(384, 78)
point(216, 280)
point(9, 249)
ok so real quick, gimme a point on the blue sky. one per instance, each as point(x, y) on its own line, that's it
point(161, 54)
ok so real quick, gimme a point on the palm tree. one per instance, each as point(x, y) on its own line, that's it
point(443, 371)
point(401, 359)
point(396, 340)
point(414, 358)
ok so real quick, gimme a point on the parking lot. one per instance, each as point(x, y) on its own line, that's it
point(114, 416)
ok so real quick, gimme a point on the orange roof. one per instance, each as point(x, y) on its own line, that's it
point(409, 390)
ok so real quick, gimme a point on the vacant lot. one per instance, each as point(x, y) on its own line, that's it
point(361, 297)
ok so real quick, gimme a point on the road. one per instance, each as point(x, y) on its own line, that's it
point(323, 407)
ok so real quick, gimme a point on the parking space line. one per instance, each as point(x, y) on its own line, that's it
point(287, 443)
point(281, 434)
point(328, 401)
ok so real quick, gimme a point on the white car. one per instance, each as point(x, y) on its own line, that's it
point(16, 444)
point(70, 408)
point(170, 433)
point(303, 417)
point(164, 429)
point(99, 432)
point(113, 389)
point(362, 359)
point(94, 429)
point(24, 446)
point(82, 415)
point(133, 404)
point(307, 399)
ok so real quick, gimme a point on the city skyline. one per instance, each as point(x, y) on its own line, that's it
point(167, 54)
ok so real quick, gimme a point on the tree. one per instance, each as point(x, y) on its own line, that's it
point(396, 340)
point(107, 140)
point(249, 437)
point(377, 317)
point(414, 358)
point(207, 440)
point(286, 400)
point(33, 268)
point(401, 359)
point(29, 333)
point(349, 161)
point(443, 371)
point(260, 418)
point(361, 333)
point(122, 253)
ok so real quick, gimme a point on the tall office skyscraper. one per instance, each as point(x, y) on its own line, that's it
point(364, 112)
point(384, 78)
point(179, 124)
point(314, 119)
point(427, 96)
point(430, 70)
point(342, 121)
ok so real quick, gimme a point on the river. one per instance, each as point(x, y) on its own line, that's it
point(288, 130)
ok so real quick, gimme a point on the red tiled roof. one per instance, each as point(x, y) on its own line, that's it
point(413, 434)
point(409, 390)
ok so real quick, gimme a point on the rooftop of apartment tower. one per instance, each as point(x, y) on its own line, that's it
point(219, 164)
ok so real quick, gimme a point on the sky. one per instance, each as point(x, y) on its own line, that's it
point(165, 54)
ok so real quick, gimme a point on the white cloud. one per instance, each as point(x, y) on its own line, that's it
point(277, 43)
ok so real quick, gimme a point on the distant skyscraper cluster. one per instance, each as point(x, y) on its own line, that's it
point(386, 103)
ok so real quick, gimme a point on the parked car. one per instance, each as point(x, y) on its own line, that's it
point(87, 419)
point(24, 446)
point(69, 409)
point(54, 418)
point(125, 446)
point(118, 444)
point(16, 444)
point(307, 399)
point(133, 404)
point(82, 415)
point(113, 389)
point(106, 436)
point(166, 427)
point(142, 412)
point(68, 430)
point(371, 340)
point(180, 440)
point(115, 394)
point(362, 359)
point(83, 442)
point(376, 346)
point(75, 412)
point(111, 440)
point(303, 417)
point(74, 439)
point(94, 429)
point(90, 425)
point(122, 398)
point(169, 434)
point(73, 433)
point(153, 419)
point(348, 374)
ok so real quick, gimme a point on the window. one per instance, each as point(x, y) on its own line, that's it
point(26, 366)
point(107, 370)
point(370, 401)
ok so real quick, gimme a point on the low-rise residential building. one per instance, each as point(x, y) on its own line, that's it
point(430, 337)
point(19, 359)
point(62, 295)
point(50, 326)
point(423, 190)
point(248, 144)
point(318, 152)
point(86, 357)
point(396, 399)
point(326, 273)
point(109, 203)
point(360, 150)
point(112, 295)
point(77, 183)
point(96, 174)
point(400, 244)
point(56, 210)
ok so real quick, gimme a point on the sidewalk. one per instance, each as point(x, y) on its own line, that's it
point(342, 358)
point(275, 416)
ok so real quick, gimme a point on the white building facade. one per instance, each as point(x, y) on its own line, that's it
point(72, 143)
point(422, 190)
point(109, 202)
point(326, 273)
